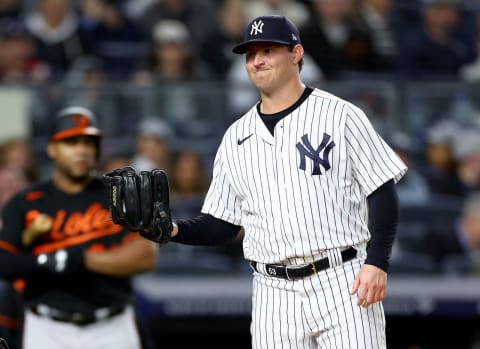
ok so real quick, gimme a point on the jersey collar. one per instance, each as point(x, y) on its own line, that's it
point(261, 130)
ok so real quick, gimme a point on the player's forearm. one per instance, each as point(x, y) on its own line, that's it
point(15, 266)
point(205, 230)
point(383, 219)
point(135, 257)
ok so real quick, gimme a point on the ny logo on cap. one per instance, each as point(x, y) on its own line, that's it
point(257, 28)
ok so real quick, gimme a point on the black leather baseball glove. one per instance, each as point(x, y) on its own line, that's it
point(140, 202)
point(3, 344)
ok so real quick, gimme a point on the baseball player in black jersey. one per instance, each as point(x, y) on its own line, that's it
point(76, 263)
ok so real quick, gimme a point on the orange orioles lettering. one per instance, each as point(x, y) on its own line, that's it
point(76, 228)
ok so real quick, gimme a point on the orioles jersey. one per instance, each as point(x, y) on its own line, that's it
point(77, 221)
point(302, 190)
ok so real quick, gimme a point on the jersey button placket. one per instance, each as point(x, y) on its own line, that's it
point(282, 166)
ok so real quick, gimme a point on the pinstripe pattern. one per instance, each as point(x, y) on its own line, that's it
point(315, 312)
point(259, 181)
point(296, 209)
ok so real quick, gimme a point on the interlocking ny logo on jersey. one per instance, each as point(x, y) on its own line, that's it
point(306, 150)
point(257, 28)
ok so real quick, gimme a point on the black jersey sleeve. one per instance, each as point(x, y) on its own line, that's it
point(205, 230)
point(16, 266)
point(13, 221)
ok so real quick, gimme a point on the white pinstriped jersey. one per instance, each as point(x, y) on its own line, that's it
point(304, 190)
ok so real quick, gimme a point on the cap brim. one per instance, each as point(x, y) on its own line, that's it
point(242, 47)
point(76, 132)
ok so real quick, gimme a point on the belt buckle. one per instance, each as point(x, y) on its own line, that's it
point(286, 273)
point(314, 268)
point(291, 267)
point(80, 319)
point(311, 265)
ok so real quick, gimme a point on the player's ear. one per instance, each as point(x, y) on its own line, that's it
point(298, 52)
point(51, 150)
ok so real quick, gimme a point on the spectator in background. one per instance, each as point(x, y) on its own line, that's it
point(197, 15)
point(295, 10)
point(188, 182)
point(18, 168)
point(376, 17)
point(112, 37)
point(53, 26)
point(439, 46)
point(12, 179)
point(172, 57)
point(406, 13)
point(18, 154)
point(413, 188)
point(18, 63)
point(153, 145)
point(87, 84)
point(440, 169)
point(11, 13)
point(471, 72)
point(134, 9)
point(217, 49)
point(454, 247)
point(466, 150)
point(84, 81)
point(336, 41)
point(177, 74)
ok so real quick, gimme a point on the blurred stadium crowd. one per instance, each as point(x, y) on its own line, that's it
point(49, 40)
point(164, 84)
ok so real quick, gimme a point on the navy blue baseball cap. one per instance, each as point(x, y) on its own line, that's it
point(271, 28)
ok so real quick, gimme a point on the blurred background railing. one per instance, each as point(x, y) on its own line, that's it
point(199, 112)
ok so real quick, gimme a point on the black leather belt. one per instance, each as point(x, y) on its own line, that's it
point(297, 272)
point(77, 318)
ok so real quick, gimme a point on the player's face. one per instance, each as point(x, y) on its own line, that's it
point(74, 157)
point(270, 66)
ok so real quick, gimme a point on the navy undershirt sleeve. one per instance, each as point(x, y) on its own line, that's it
point(19, 265)
point(383, 219)
point(205, 230)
